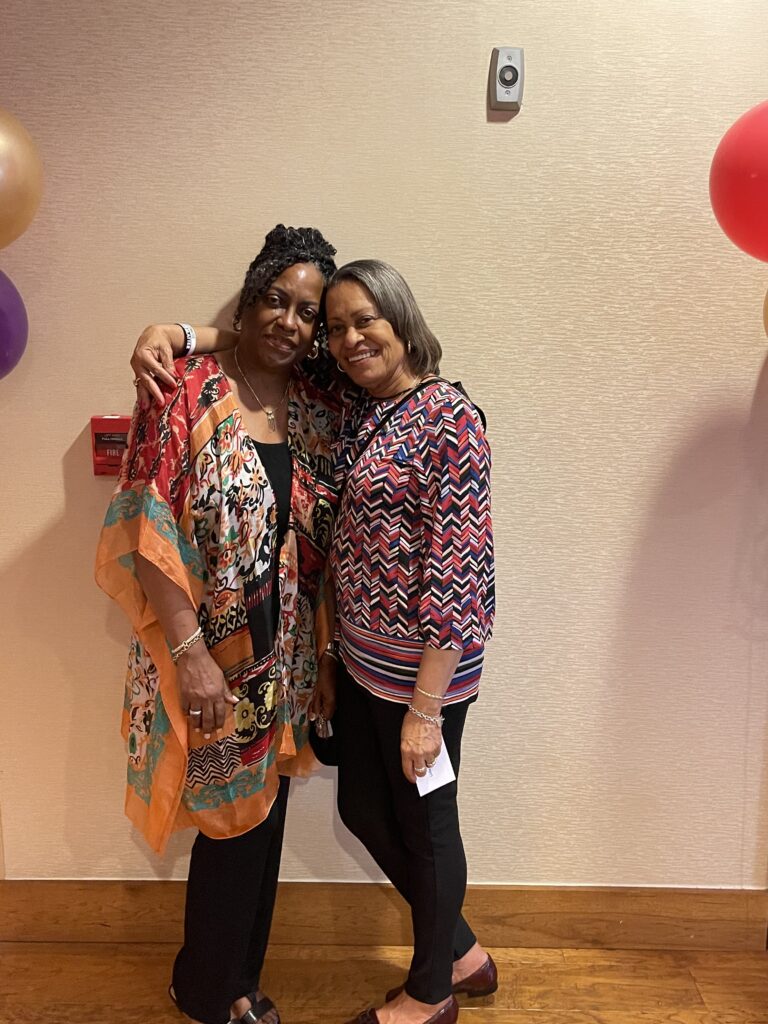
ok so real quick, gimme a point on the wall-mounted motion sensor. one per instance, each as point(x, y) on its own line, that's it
point(505, 79)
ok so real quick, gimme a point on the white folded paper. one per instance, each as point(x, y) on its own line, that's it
point(440, 774)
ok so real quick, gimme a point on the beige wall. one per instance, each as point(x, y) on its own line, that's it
point(570, 263)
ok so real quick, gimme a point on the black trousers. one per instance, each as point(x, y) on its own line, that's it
point(415, 840)
point(230, 899)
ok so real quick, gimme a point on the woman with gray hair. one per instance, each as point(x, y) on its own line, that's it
point(412, 560)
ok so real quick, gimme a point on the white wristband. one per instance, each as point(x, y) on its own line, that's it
point(190, 339)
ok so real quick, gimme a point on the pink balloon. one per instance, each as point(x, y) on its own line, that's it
point(738, 182)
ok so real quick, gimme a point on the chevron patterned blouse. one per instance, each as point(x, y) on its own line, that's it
point(412, 555)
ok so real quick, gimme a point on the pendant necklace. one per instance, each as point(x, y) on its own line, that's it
point(270, 410)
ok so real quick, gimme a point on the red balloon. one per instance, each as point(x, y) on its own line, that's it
point(738, 182)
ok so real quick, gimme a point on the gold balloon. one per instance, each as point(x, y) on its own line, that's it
point(21, 179)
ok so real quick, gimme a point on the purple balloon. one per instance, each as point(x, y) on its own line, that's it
point(14, 326)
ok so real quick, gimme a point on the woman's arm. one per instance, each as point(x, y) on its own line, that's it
point(420, 740)
point(201, 682)
point(456, 464)
point(159, 345)
point(323, 702)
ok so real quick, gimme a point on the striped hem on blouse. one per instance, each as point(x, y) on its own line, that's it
point(386, 666)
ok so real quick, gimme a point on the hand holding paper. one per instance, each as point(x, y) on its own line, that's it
point(440, 774)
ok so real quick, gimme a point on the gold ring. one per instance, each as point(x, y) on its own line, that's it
point(431, 764)
point(420, 771)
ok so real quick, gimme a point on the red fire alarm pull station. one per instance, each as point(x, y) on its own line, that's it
point(109, 439)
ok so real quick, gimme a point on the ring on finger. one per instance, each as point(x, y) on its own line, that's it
point(195, 711)
point(420, 771)
point(431, 764)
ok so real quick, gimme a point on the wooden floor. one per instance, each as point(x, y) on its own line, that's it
point(110, 983)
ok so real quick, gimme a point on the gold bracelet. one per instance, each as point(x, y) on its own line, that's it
point(176, 652)
point(432, 696)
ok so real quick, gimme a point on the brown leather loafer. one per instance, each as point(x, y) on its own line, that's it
point(449, 1014)
point(482, 982)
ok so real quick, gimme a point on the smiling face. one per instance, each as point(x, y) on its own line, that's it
point(364, 343)
point(279, 328)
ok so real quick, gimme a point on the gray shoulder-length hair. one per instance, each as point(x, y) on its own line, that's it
point(395, 301)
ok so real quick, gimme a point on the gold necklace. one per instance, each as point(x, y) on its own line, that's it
point(270, 410)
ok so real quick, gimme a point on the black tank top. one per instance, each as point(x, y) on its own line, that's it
point(276, 459)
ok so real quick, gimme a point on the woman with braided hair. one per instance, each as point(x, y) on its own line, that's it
point(215, 544)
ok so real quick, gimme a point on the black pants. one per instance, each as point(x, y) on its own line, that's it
point(230, 899)
point(415, 840)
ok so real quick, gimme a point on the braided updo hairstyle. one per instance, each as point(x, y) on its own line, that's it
point(283, 247)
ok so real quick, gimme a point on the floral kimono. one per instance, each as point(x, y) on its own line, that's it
point(195, 500)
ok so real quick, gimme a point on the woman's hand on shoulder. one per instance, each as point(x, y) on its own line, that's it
point(152, 362)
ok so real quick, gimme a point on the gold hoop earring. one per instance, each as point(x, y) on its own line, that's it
point(314, 352)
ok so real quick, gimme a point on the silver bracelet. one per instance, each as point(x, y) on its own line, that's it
point(433, 719)
point(332, 650)
point(176, 652)
point(190, 339)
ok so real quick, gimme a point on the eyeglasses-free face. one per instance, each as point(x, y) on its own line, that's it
point(278, 330)
point(364, 343)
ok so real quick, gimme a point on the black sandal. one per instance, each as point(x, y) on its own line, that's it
point(259, 1009)
point(172, 996)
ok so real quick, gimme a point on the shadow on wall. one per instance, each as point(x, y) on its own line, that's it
point(752, 594)
point(683, 718)
point(322, 792)
point(223, 319)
